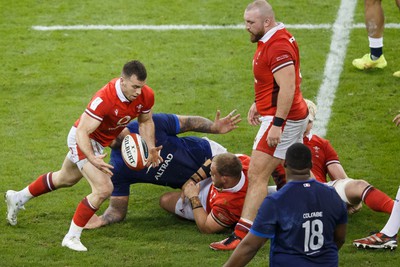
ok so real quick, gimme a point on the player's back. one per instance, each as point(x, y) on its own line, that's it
point(182, 156)
point(304, 216)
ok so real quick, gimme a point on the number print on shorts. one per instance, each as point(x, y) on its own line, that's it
point(313, 238)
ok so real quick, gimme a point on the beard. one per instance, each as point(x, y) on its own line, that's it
point(254, 38)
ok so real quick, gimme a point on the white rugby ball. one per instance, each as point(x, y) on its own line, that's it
point(134, 151)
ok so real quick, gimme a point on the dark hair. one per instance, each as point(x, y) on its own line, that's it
point(298, 157)
point(135, 67)
point(227, 164)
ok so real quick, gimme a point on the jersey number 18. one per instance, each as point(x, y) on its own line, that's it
point(313, 238)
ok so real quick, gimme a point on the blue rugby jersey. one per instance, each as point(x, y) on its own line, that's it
point(182, 157)
point(300, 220)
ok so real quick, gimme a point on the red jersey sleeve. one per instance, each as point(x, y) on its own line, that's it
point(224, 217)
point(282, 55)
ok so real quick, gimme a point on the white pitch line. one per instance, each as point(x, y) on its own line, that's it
point(334, 65)
point(186, 27)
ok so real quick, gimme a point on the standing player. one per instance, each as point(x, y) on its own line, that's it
point(305, 220)
point(215, 204)
point(278, 106)
point(106, 115)
point(183, 156)
point(375, 24)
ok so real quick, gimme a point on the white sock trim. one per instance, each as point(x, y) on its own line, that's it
point(375, 42)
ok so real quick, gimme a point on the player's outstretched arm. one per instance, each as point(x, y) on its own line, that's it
point(204, 125)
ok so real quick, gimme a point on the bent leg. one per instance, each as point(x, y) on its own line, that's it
point(115, 212)
point(168, 201)
point(360, 190)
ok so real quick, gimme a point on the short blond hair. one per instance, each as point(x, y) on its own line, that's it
point(312, 109)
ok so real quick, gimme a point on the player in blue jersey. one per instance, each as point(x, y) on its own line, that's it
point(183, 156)
point(305, 220)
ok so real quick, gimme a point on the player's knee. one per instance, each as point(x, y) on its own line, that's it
point(355, 189)
point(163, 200)
point(103, 192)
point(360, 185)
point(168, 202)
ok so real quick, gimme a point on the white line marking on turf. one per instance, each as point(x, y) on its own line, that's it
point(334, 64)
point(186, 27)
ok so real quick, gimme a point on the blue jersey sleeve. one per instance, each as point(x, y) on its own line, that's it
point(165, 124)
point(265, 223)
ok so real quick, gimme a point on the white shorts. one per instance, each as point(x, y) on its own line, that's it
point(216, 148)
point(185, 209)
point(293, 132)
point(340, 185)
point(75, 154)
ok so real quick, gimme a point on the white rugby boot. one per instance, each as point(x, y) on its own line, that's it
point(74, 243)
point(13, 206)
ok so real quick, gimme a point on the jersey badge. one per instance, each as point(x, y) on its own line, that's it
point(139, 108)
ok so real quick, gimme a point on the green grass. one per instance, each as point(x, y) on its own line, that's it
point(47, 78)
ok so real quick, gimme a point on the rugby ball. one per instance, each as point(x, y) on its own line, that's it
point(134, 151)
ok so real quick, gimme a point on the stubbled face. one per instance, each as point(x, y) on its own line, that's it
point(131, 87)
point(254, 24)
point(215, 176)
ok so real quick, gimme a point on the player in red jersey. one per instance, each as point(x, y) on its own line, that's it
point(215, 204)
point(279, 107)
point(106, 115)
point(326, 163)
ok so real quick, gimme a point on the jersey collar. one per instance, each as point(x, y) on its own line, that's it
point(120, 95)
point(309, 136)
point(237, 187)
point(271, 32)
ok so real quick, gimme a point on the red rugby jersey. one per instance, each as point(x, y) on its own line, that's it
point(226, 205)
point(323, 155)
point(114, 111)
point(276, 50)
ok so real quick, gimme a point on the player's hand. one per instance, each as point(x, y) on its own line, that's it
point(191, 189)
point(98, 162)
point(397, 120)
point(274, 136)
point(154, 159)
point(183, 189)
point(351, 209)
point(225, 124)
point(94, 222)
point(253, 117)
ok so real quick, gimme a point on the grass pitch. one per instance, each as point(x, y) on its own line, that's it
point(48, 77)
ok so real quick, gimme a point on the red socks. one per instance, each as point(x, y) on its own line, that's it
point(83, 213)
point(377, 200)
point(242, 228)
point(279, 176)
point(42, 185)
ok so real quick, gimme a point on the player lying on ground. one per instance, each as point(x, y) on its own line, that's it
point(326, 163)
point(215, 204)
point(183, 156)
